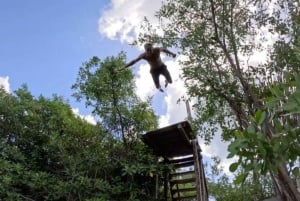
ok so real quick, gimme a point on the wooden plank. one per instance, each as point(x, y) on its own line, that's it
point(182, 181)
point(176, 174)
point(184, 190)
point(184, 133)
point(186, 164)
point(180, 160)
point(184, 198)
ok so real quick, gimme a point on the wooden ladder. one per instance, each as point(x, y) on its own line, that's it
point(183, 179)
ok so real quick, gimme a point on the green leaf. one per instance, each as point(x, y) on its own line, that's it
point(260, 116)
point(251, 129)
point(240, 178)
point(262, 150)
point(290, 106)
point(297, 78)
point(264, 168)
point(233, 167)
point(276, 91)
point(296, 171)
point(231, 155)
point(239, 135)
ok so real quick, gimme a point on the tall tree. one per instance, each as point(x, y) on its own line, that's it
point(111, 96)
point(219, 38)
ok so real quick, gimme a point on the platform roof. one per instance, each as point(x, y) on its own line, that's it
point(170, 141)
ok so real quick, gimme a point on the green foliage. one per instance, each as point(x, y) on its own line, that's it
point(221, 187)
point(261, 153)
point(48, 153)
point(283, 105)
point(111, 96)
point(124, 116)
point(254, 103)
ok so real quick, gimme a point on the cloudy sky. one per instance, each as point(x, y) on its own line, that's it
point(43, 44)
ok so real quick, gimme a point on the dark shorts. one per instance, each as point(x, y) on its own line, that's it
point(162, 70)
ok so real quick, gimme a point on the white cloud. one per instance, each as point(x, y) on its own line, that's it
point(144, 82)
point(145, 88)
point(123, 19)
point(4, 83)
point(89, 118)
point(176, 112)
point(217, 148)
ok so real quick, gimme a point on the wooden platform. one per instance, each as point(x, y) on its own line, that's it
point(170, 141)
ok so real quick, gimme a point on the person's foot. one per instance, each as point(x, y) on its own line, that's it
point(161, 90)
point(166, 83)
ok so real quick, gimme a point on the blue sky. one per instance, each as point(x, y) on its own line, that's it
point(43, 44)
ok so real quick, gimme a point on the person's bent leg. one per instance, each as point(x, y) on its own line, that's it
point(155, 77)
point(167, 75)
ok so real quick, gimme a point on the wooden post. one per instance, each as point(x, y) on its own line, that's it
point(197, 171)
point(156, 186)
point(166, 179)
point(202, 193)
point(188, 110)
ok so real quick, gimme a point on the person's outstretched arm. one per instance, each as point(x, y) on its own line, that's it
point(131, 63)
point(168, 52)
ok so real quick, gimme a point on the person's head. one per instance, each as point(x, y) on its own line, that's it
point(148, 47)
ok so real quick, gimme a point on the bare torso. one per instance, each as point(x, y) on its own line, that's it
point(153, 58)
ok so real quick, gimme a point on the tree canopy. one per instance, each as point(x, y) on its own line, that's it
point(49, 153)
point(250, 98)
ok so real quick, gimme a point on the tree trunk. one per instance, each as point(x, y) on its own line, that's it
point(286, 186)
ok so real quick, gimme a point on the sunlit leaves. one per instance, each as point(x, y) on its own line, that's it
point(45, 148)
point(111, 96)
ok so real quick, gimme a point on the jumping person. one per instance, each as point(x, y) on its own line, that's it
point(157, 67)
